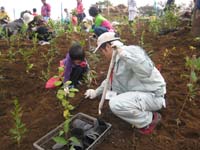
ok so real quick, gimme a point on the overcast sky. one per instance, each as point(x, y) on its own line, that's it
point(20, 5)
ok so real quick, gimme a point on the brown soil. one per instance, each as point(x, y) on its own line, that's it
point(42, 111)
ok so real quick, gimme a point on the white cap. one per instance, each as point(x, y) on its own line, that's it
point(28, 18)
point(106, 37)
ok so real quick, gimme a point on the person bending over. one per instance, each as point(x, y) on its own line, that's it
point(137, 86)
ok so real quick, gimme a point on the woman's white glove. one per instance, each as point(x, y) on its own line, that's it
point(90, 93)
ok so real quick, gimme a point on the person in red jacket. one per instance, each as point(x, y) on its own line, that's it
point(80, 11)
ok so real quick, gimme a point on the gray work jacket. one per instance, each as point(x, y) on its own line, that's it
point(134, 71)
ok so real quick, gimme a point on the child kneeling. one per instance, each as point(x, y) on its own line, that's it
point(75, 65)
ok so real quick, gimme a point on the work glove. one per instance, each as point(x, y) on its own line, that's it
point(34, 29)
point(90, 93)
point(87, 30)
point(117, 46)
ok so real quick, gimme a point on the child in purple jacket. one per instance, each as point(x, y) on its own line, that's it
point(75, 65)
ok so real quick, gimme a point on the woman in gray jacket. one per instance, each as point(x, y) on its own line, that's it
point(138, 86)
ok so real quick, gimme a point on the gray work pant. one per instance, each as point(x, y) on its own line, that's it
point(136, 107)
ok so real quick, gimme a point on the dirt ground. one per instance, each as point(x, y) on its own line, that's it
point(42, 111)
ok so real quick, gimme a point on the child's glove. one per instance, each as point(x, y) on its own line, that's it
point(83, 64)
point(90, 93)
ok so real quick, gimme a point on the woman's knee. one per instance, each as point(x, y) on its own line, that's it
point(114, 105)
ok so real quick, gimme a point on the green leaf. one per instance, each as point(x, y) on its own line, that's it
point(65, 103)
point(66, 125)
point(24, 130)
point(18, 121)
point(193, 76)
point(30, 66)
point(60, 94)
point(13, 131)
point(74, 140)
point(185, 75)
point(68, 82)
point(58, 83)
point(72, 148)
point(61, 132)
point(73, 90)
point(13, 113)
point(71, 95)
point(70, 107)
point(189, 85)
point(60, 140)
point(21, 125)
point(60, 69)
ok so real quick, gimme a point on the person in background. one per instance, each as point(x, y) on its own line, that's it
point(34, 12)
point(4, 17)
point(101, 24)
point(39, 27)
point(169, 4)
point(197, 4)
point(137, 86)
point(74, 19)
point(98, 5)
point(132, 10)
point(75, 65)
point(14, 27)
point(80, 11)
point(46, 10)
point(67, 16)
point(196, 19)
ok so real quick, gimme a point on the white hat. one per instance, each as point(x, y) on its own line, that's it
point(28, 18)
point(106, 37)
